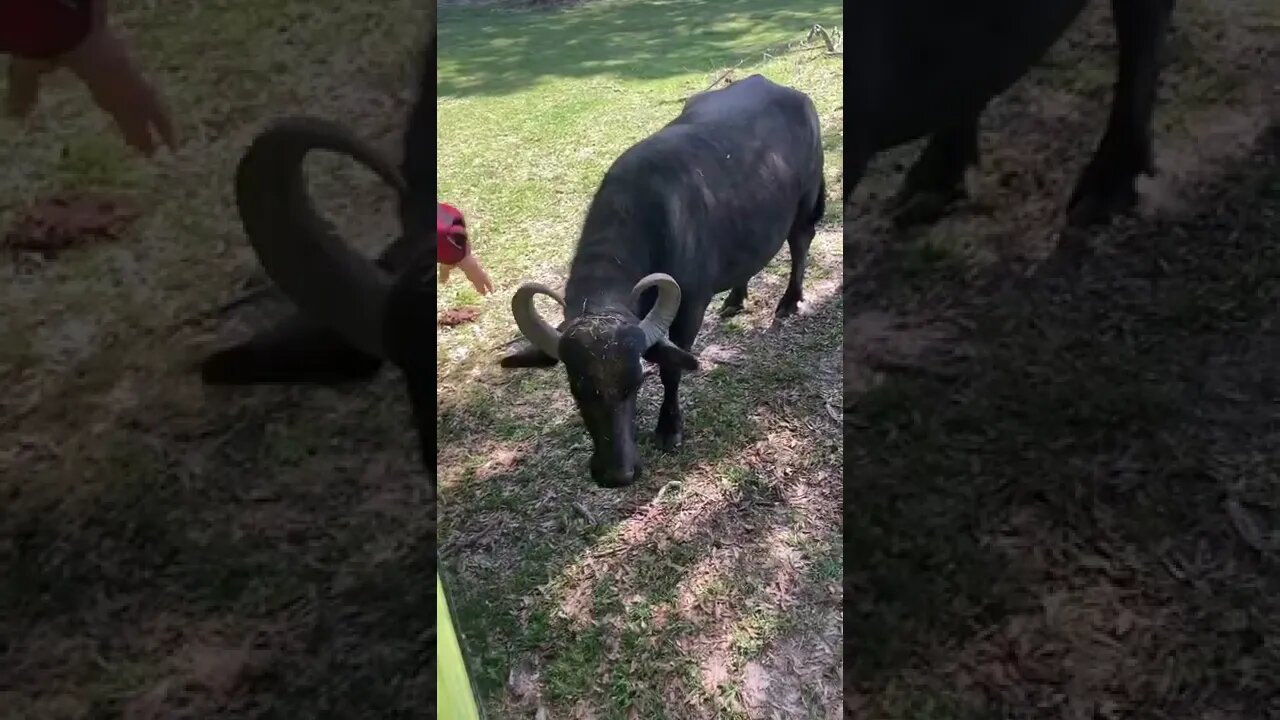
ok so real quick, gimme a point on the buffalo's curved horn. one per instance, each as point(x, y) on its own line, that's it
point(536, 330)
point(301, 252)
point(657, 323)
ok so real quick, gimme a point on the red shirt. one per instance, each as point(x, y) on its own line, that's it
point(43, 28)
point(451, 234)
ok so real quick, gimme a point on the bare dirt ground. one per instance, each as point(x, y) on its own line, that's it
point(1061, 498)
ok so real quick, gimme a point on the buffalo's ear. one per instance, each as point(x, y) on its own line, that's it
point(528, 356)
point(666, 354)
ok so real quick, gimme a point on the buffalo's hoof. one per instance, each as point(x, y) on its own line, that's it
point(1098, 203)
point(668, 441)
point(728, 311)
point(1068, 256)
point(787, 308)
point(734, 302)
point(923, 207)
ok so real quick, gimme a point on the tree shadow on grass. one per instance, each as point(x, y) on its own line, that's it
point(256, 553)
point(497, 53)
point(518, 512)
point(1047, 528)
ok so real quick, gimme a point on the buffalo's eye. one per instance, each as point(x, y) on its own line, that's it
point(585, 390)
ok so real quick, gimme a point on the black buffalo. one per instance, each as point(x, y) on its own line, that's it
point(353, 314)
point(917, 68)
point(697, 208)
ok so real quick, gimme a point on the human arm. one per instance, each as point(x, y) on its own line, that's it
point(43, 35)
point(418, 168)
point(452, 249)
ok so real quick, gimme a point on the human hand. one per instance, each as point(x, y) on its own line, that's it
point(471, 268)
point(116, 84)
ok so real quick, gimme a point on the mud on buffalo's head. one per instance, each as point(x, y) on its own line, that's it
point(601, 351)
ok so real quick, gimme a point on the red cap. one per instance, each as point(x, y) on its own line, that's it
point(451, 234)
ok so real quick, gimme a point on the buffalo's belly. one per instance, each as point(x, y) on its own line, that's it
point(923, 65)
point(754, 231)
point(744, 254)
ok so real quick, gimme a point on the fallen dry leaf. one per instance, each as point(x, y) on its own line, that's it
point(68, 219)
point(1246, 525)
point(454, 317)
point(219, 669)
point(150, 705)
point(523, 682)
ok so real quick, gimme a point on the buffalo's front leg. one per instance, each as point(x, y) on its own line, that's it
point(733, 304)
point(670, 431)
point(937, 178)
point(1107, 185)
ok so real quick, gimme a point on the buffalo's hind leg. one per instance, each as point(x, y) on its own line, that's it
point(936, 180)
point(1107, 185)
point(733, 304)
point(798, 242)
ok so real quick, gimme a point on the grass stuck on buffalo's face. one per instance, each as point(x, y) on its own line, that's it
point(709, 587)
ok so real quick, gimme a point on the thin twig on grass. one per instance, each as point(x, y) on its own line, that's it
point(722, 77)
point(245, 297)
point(770, 53)
point(586, 514)
point(832, 412)
point(826, 38)
point(1246, 526)
point(672, 485)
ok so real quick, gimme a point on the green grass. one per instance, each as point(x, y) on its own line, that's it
point(585, 592)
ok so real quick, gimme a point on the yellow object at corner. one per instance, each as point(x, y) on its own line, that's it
point(454, 699)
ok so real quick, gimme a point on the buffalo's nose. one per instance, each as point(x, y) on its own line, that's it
point(612, 476)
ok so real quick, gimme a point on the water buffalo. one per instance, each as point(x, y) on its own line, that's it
point(353, 314)
point(697, 208)
point(919, 68)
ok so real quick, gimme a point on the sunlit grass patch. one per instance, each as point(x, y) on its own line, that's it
point(573, 598)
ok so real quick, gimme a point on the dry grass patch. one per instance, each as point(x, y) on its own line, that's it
point(1052, 481)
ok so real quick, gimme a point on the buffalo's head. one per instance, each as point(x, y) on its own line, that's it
point(352, 313)
point(601, 351)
